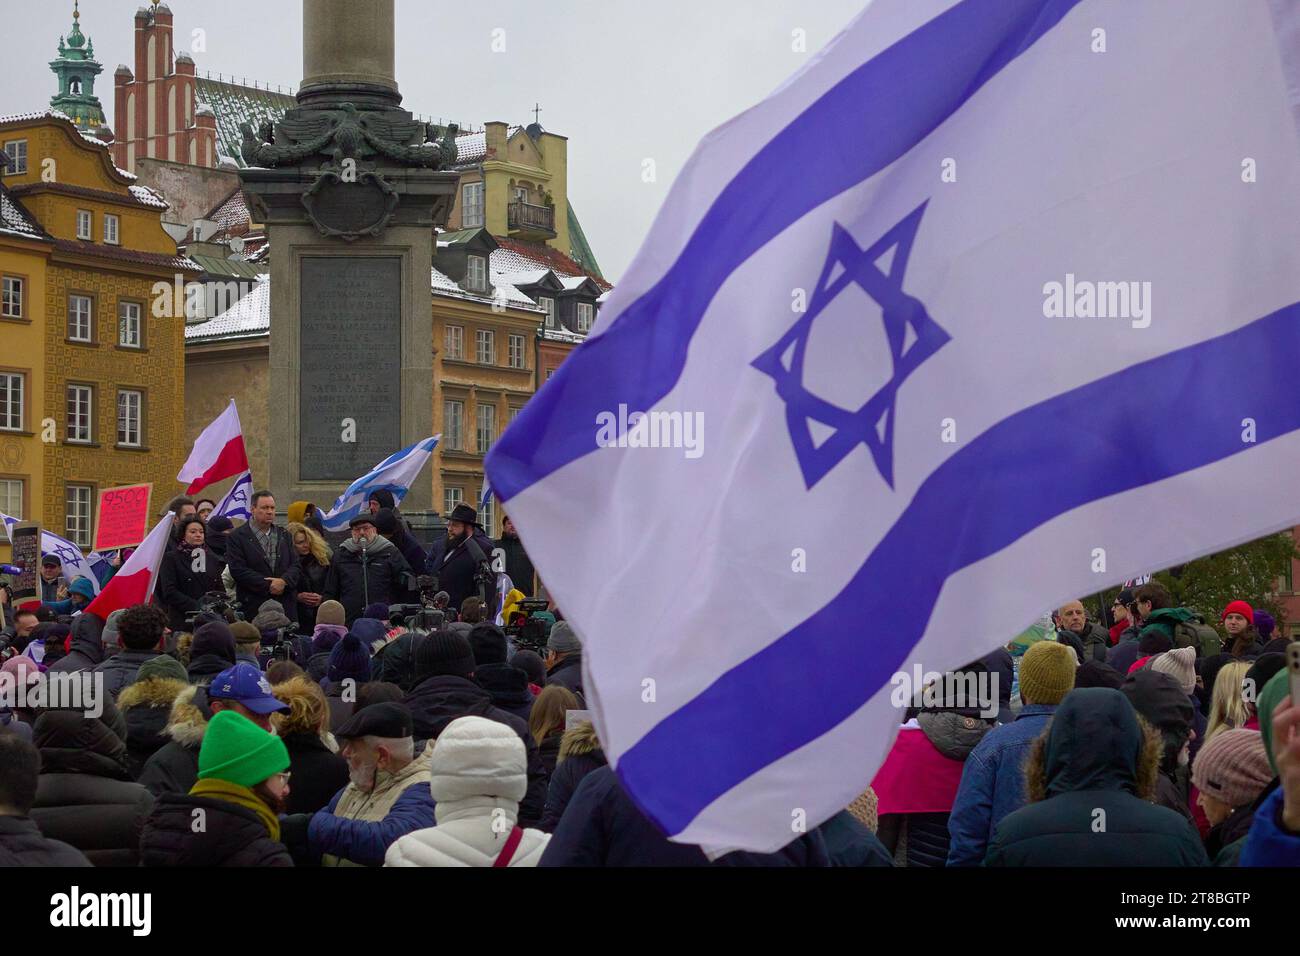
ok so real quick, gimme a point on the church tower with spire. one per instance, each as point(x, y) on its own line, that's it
point(76, 69)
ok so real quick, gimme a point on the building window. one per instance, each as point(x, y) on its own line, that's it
point(455, 342)
point(487, 427)
point(453, 424)
point(547, 303)
point(584, 316)
point(110, 229)
point(11, 497)
point(11, 401)
point(74, 86)
point(85, 225)
point(472, 203)
point(80, 318)
point(451, 497)
point(129, 328)
point(485, 347)
point(79, 413)
point(514, 413)
point(549, 373)
point(11, 301)
point(476, 274)
point(130, 417)
point(516, 351)
point(16, 150)
point(487, 516)
point(77, 525)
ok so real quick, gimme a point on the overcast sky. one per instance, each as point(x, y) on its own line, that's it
point(625, 80)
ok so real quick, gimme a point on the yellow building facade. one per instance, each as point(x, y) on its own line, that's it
point(100, 341)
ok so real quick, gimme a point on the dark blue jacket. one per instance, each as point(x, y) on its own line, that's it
point(364, 841)
point(993, 784)
point(850, 843)
point(603, 827)
point(1269, 843)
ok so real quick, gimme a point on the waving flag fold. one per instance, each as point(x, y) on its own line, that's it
point(395, 473)
point(218, 453)
point(75, 564)
point(237, 501)
point(991, 306)
point(135, 581)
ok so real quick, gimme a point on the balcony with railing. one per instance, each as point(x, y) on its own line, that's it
point(527, 220)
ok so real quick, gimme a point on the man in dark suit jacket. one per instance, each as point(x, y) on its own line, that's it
point(259, 577)
point(451, 560)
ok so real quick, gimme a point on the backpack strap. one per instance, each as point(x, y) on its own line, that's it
point(508, 851)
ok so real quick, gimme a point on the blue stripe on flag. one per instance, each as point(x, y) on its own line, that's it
point(1000, 487)
point(894, 101)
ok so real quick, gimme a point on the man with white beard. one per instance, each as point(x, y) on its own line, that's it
point(386, 798)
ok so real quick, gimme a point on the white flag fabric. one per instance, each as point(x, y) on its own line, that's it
point(992, 305)
point(75, 564)
point(395, 473)
point(237, 502)
point(134, 583)
point(218, 452)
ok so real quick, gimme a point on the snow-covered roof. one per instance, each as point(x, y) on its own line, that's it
point(573, 282)
point(521, 278)
point(443, 285)
point(13, 221)
point(149, 197)
point(470, 147)
point(250, 317)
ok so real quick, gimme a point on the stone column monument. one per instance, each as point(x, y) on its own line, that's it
point(350, 187)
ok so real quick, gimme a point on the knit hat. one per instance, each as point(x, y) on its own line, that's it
point(1278, 686)
point(245, 633)
point(369, 631)
point(163, 665)
point(1093, 673)
point(531, 664)
point(24, 669)
point(216, 638)
point(478, 757)
point(444, 652)
point(1260, 673)
point(325, 636)
point(1264, 625)
point(1238, 607)
point(349, 659)
point(1160, 699)
point(377, 611)
point(296, 513)
point(865, 809)
point(488, 642)
point(1046, 672)
point(270, 616)
point(236, 750)
point(83, 587)
point(1179, 664)
point(331, 612)
point(384, 497)
point(110, 627)
point(218, 524)
point(1233, 767)
point(563, 639)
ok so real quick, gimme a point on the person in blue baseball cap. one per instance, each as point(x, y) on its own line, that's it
point(245, 690)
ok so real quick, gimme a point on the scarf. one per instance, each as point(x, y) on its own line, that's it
point(241, 797)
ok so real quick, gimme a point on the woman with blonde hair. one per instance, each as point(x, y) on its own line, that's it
point(546, 722)
point(314, 563)
point(1228, 709)
point(318, 771)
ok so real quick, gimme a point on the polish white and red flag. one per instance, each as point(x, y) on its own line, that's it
point(218, 453)
point(135, 582)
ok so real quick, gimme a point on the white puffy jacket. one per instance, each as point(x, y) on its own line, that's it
point(479, 773)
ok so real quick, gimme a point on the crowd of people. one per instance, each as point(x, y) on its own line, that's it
point(299, 720)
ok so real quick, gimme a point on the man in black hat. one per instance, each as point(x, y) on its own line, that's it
point(367, 568)
point(387, 795)
point(54, 586)
point(455, 559)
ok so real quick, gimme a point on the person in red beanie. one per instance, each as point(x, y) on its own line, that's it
point(1239, 621)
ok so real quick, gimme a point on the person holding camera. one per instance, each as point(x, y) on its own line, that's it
point(188, 572)
point(367, 568)
point(458, 560)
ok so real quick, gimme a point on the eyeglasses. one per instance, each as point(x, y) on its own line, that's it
point(284, 777)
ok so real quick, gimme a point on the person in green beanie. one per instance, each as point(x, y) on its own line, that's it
point(230, 816)
point(1270, 842)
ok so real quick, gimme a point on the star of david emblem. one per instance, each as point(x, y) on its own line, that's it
point(913, 337)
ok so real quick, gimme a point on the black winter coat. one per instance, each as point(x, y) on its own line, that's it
point(232, 835)
point(145, 705)
point(312, 578)
point(84, 794)
point(181, 588)
point(119, 670)
point(384, 576)
point(603, 827)
point(455, 568)
point(1090, 769)
point(87, 646)
point(568, 773)
point(518, 565)
point(437, 701)
point(23, 844)
point(248, 566)
point(568, 673)
point(317, 773)
point(174, 766)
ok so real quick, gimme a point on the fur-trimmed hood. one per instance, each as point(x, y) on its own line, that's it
point(188, 720)
point(151, 692)
point(579, 740)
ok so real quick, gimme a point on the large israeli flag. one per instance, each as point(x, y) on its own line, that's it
point(994, 304)
point(395, 473)
point(75, 564)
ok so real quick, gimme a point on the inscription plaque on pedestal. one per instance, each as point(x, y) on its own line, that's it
point(350, 354)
